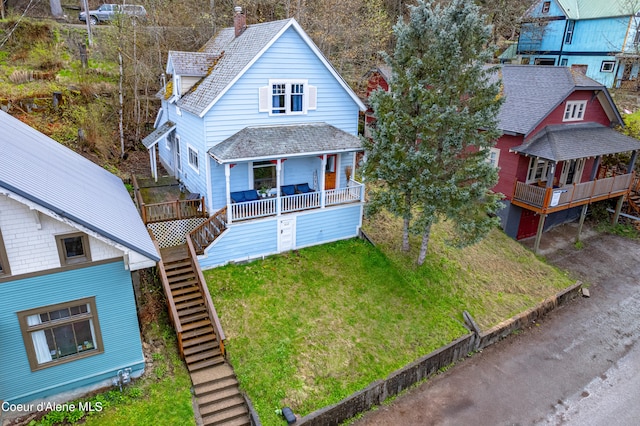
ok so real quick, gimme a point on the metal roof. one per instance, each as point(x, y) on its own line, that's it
point(237, 54)
point(48, 174)
point(571, 141)
point(270, 142)
point(531, 92)
point(594, 9)
point(158, 133)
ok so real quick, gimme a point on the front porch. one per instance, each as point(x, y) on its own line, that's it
point(276, 205)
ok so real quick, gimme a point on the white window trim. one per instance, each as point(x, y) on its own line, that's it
point(196, 167)
point(533, 166)
point(575, 109)
point(546, 6)
point(496, 161)
point(178, 160)
point(611, 63)
point(309, 97)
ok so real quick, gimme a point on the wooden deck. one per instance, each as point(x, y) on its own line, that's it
point(549, 200)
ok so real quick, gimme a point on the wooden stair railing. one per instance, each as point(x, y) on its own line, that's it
point(206, 233)
point(173, 313)
point(202, 284)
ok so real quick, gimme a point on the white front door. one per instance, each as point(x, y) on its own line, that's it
point(286, 234)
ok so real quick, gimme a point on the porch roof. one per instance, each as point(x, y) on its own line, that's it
point(571, 141)
point(157, 134)
point(269, 142)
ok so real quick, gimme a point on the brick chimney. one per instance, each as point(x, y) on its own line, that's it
point(239, 21)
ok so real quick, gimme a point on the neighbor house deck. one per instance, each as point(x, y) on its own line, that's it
point(544, 200)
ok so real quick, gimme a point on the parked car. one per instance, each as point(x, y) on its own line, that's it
point(108, 12)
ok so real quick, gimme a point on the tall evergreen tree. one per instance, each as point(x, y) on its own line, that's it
point(434, 128)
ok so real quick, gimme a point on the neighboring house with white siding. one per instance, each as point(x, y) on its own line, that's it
point(260, 123)
point(70, 238)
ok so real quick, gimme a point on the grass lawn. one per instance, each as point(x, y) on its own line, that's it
point(310, 327)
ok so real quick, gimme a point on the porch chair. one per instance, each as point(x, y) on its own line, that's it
point(288, 189)
point(303, 188)
point(242, 196)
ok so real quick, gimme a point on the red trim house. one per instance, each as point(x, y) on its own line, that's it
point(557, 127)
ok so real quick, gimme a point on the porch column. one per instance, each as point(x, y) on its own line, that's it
point(632, 162)
point(536, 245)
point(152, 158)
point(227, 174)
point(616, 215)
point(596, 165)
point(583, 215)
point(278, 184)
point(551, 171)
point(323, 168)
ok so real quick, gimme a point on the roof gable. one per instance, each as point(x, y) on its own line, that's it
point(532, 92)
point(586, 9)
point(195, 64)
point(41, 170)
point(238, 54)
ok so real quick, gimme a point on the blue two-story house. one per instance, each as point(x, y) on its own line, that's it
point(70, 241)
point(261, 124)
point(598, 38)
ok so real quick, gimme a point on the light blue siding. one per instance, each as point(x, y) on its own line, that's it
point(111, 286)
point(598, 35)
point(242, 241)
point(301, 170)
point(554, 10)
point(328, 225)
point(288, 58)
point(254, 239)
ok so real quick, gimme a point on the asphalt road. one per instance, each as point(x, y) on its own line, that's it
point(577, 366)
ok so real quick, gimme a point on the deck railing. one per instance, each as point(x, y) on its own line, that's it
point(354, 192)
point(547, 200)
point(297, 202)
point(173, 210)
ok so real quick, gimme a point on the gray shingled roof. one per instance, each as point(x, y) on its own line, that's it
point(194, 64)
point(284, 141)
point(531, 92)
point(43, 171)
point(570, 141)
point(236, 53)
point(158, 133)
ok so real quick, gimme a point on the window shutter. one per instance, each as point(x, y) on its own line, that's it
point(313, 97)
point(263, 99)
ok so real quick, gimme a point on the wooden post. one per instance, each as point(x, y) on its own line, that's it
point(536, 245)
point(616, 215)
point(583, 215)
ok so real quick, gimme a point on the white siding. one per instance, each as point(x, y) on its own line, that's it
point(30, 249)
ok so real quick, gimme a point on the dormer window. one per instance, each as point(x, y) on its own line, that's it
point(176, 86)
point(287, 97)
point(574, 111)
point(546, 6)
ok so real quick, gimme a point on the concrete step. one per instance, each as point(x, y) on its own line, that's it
point(205, 377)
point(225, 405)
point(217, 397)
point(216, 386)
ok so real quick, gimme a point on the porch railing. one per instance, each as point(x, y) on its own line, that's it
point(297, 202)
point(547, 200)
point(173, 210)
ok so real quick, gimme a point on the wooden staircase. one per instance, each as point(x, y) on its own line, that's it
point(201, 339)
point(633, 199)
